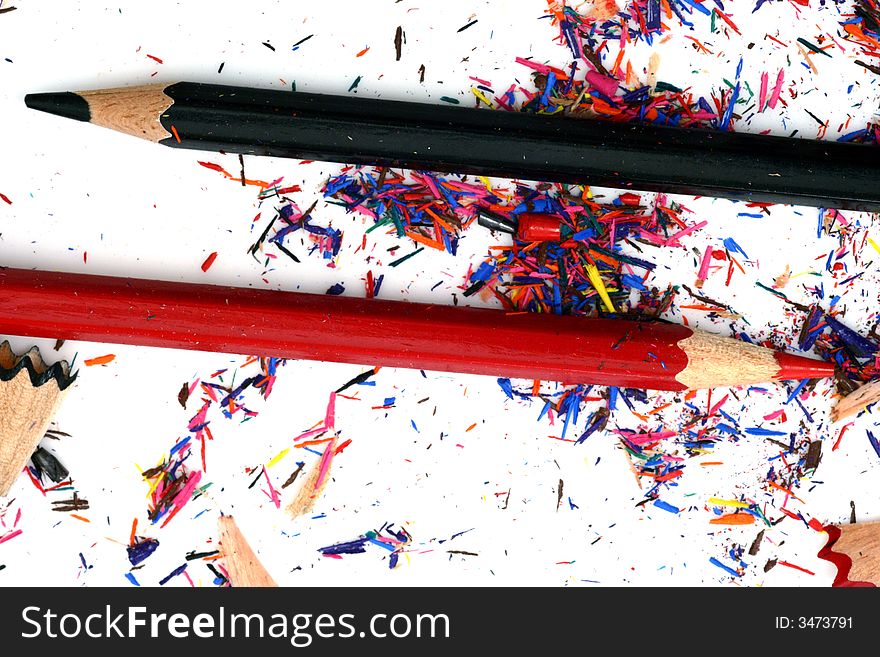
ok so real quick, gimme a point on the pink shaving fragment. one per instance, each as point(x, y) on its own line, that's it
point(10, 536)
point(777, 90)
point(762, 94)
point(272, 494)
point(703, 273)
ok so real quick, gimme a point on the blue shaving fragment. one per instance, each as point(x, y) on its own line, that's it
point(336, 289)
point(483, 272)
point(507, 387)
point(861, 347)
point(666, 506)
point(357, 546)
point(174, 573)
point(612, 397)
point(731, 245)
point(728, 112)
point(728, 569)
point(759, 431)
point(796, 391)
point(141, 550)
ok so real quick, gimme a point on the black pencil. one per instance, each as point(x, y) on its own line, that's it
point(357, 130)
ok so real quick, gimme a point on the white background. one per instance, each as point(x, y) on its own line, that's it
point(144, 211)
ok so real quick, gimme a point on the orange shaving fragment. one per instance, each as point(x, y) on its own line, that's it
point(733, 519)
point(317, 441)
point(784, 490)
point(700, 45)
point(427, 241)
point(100, 360)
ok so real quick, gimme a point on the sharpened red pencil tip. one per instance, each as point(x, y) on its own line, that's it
point(793, 367)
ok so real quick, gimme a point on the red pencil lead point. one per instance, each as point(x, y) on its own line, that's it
point(793, 367)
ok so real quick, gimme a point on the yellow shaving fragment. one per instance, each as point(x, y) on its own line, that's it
point(280, 456)
point(481, 96)
point(874, 244)
point(596, 281)
point(734, 503)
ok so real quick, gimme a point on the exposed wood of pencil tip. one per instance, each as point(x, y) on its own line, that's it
point(856, 401)
point(244, 569)
point(132, 110)
point(716, 361)
point(25, 413)
point(861, 543)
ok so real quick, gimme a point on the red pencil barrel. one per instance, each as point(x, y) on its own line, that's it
point(341, 329)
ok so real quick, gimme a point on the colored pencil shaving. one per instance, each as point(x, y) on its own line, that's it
point(312, 486)
point(315, 481)
point(30, 393)
point(856, 401)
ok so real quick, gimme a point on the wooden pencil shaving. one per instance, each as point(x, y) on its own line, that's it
point(30, 393)
point(598, 9)
point(244, 569)
point(653, 67)
point(856, 401)
point(309, 491)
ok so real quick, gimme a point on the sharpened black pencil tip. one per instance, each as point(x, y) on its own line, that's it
point(64, 104)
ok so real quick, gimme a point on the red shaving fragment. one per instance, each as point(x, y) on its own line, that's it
point(212, 166)
point(791, 565)
point(840, 436)
point(155, 59)
point(206, 265)
point(727, 20)
point(5, 198)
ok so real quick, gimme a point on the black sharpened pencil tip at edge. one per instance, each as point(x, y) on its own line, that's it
point(494, 221)
point(66, 104)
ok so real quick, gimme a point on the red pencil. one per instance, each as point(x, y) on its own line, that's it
point(391, 333)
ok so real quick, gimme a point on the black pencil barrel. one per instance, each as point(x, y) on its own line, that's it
point(643, 157)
